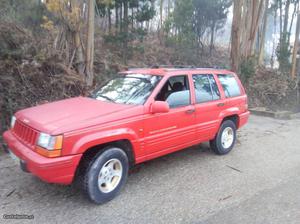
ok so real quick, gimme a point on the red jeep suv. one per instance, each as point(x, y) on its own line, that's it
point(139, 115)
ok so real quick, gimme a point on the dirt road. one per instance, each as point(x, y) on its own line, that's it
point(258, 182)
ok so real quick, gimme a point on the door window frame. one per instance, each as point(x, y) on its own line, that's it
point(211, 88)
point(187, 82)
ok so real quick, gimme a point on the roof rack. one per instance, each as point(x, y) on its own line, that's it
point(176, 67)
point(184, 67)
point(172, 66)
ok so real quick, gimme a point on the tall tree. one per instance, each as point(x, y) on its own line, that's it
point(296, 47)
point(247, 15)
point(90, 43)
point(236, 34)
point(263, 31)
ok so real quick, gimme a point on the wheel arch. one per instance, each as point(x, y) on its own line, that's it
point(124, 144)
point(234, 118)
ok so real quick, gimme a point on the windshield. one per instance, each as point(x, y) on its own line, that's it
point(127, 89)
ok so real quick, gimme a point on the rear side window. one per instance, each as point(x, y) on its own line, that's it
point(230, 86)
point(206, 88)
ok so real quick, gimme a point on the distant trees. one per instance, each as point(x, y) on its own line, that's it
point(286, 21)
point(125, 21)
point(247, 15)
point(192, 20)
point(68, 41)
point(296, 47)
point(28, 13)
point(250, 19)
point(188, 26)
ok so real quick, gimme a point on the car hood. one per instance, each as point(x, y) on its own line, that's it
point(71, 114)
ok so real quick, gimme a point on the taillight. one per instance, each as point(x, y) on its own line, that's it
point(246, 103)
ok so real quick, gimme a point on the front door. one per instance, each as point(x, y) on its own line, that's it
point(167, 132)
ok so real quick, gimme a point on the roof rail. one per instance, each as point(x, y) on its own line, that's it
point(137, 68)
point(176, 67)
point(173, 66)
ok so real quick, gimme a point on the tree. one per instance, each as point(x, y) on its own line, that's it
point(296, 47)
point(262, 35)
point(90, 43)
point(236, 35)
point(247, 15)
point(28, 13)
point(68, 41)
point(286, 19)
point(217, 16)
point(193, 19)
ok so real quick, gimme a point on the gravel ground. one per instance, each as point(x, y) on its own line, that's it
point(258, 182)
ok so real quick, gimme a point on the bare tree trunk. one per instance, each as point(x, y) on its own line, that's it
point(263, 35)
point(121, 17)
point(246, 19)
point(79, 53)
point(296, 8)
point(117, 17)
point(161, 13)
point(286, 16)
point(126, 23)
point(280, 18)
point(109, 19)
point(256, 16)
point(296, 47)
point(212, 38)
point(169, 7)
point(90, 43)
point(132, 18)
point(236, 35)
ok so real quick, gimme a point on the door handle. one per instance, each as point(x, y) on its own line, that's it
point(190, 111)
point(221, 104)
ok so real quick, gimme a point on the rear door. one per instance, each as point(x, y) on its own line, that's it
point(235, 97)
point(208, 104)
point(167, 132)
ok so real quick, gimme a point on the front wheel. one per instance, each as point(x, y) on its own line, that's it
point(225, 138)
point(105, 175)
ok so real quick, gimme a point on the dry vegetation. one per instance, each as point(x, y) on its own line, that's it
point(46, 61)
point(271, 89)
point(30, 75)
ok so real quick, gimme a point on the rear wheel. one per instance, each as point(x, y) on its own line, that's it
point(225, 138)
point(105, 175)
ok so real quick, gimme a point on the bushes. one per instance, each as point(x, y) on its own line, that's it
point(28, 83)
point(271, 89)
point(247, 69)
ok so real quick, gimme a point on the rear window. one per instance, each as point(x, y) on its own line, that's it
point(230, 86)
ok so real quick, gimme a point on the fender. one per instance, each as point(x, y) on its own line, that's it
point(102, 137)
point(228, 112)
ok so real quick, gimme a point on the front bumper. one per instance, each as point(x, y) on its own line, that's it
point(59, 170)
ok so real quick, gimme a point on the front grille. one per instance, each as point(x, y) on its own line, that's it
point(25, 134)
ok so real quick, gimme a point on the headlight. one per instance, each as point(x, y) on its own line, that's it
point(49, 146)
point(50, 142)
point(12, 122)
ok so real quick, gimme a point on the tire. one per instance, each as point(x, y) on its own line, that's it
point(222, 145)
point(103, 176)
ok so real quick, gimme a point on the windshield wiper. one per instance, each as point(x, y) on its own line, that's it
point(105, 97)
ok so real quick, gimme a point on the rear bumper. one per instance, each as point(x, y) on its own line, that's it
point(243, 119)
point(59, 170)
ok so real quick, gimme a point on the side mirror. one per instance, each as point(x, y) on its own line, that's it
point(160, 107)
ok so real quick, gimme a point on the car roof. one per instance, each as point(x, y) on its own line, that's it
point(175, 71)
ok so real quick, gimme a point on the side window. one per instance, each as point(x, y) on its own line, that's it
point(176, 92)
point(230, 86)
point(206, 88)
